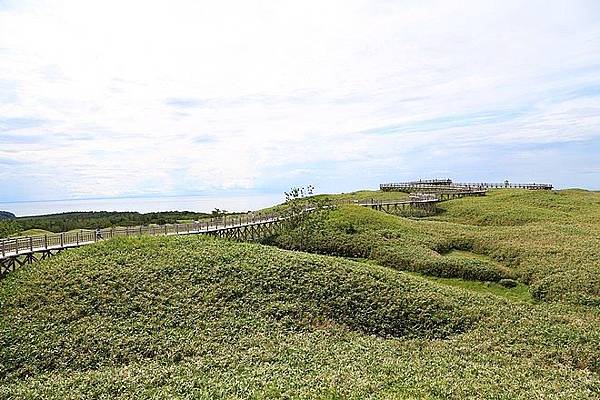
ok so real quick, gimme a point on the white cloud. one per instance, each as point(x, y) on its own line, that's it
point(147, 96)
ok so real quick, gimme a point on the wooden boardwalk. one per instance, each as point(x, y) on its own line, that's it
point(417, 201)
point(18, 251)
point(427, 205)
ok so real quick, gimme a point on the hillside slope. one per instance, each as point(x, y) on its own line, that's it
point(550, 240)
point(196, 317)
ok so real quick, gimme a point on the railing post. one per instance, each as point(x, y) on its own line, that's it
point(62, 240)
point(46, 242)
point(3, 251)
point(77, 237)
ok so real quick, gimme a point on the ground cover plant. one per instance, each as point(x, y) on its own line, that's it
point(196, 317)
point(549, 240)
point(518, 292)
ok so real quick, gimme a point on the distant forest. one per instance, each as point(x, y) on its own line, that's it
point(91, 220)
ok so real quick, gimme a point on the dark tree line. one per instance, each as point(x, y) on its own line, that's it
point(6, 215)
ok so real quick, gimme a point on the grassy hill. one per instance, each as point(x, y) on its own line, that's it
point(31, 232)
point(196, 317)
point(414, 308)
point(548, 240)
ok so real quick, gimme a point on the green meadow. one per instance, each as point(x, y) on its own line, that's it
point(547, 240)
point(492, 298)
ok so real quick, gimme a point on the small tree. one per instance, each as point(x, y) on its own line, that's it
point(219, 214)
point(305, 216)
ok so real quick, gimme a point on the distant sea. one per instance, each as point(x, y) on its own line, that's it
point(237, 203)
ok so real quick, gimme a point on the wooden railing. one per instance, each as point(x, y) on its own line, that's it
point(370, 202)
point(11, 247)
point(447, 185)
point(528, 186)
point(20, 250)
point(423, 188)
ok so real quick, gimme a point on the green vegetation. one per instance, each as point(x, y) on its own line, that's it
point(494, 297)
point(520, 207)
point(31, 232)
point(519, 292)
point(196, 317)
point(8, 227)
point(548, 240)
point(351, 197)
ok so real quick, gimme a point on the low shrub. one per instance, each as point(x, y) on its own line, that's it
point(426, 261)
point(572, 286)
point(508, 283)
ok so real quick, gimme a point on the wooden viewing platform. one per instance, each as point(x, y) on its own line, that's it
point(446, 185)
point(528, 186)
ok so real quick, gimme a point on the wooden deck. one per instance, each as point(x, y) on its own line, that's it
point(446, 185)
point(15, 252)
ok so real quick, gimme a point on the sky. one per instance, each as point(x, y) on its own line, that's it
point(168, 98)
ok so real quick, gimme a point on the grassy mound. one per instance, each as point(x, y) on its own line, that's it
point(31, 232)
point(124, 301)
point(395, 242)
point(520, 207)
point(194, 317)
point(548, 240)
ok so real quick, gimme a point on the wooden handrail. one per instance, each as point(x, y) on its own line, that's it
point(11, 247)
